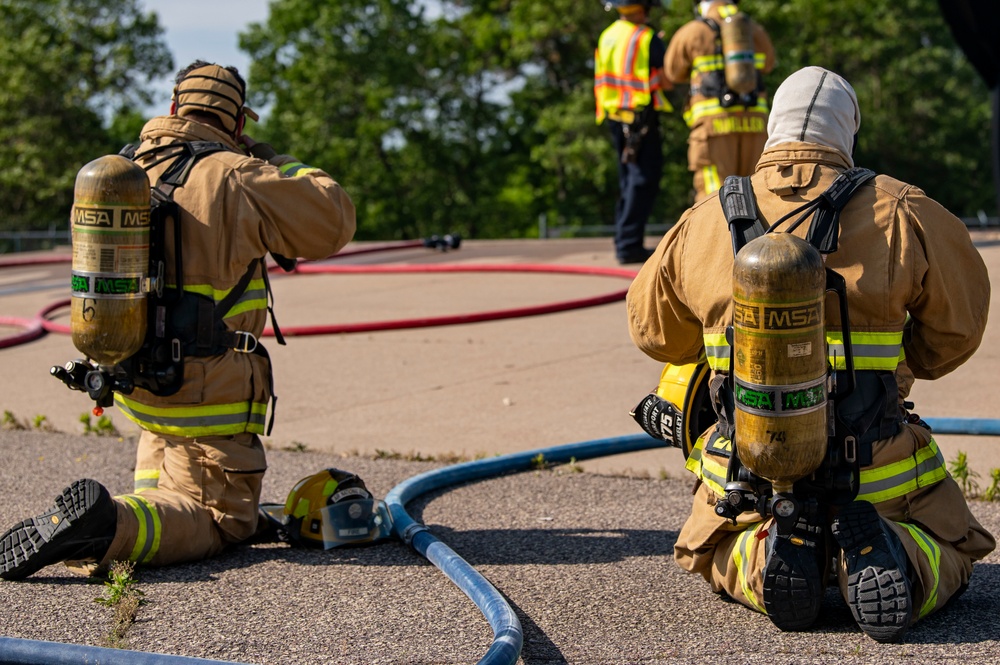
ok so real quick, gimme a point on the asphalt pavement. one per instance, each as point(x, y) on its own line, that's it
point(582, 552)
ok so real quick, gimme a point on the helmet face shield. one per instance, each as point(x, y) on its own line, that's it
point(349, 523)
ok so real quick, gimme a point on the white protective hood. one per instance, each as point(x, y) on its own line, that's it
point(815, 105)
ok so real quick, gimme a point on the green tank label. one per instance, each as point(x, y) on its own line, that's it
point(107, 287)
point(754, 399)
point(796, 400)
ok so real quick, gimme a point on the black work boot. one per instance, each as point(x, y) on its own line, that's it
point(81, 525)
point(878, 587)
point(794, 573)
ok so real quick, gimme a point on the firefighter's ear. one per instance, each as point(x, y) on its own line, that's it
point(173, 108)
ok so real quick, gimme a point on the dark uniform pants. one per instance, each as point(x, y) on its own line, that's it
point(639, 184)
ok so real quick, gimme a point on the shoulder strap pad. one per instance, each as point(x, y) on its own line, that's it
point(825, 226)
point(740, 208)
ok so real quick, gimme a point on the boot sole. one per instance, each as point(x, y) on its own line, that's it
point(35, 543)
point(878, 591)
point(793, 591)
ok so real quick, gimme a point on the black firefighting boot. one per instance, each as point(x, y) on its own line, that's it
point(81, 525)
point(794, 575)
point(878, 585)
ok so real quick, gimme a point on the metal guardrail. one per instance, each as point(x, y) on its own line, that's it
point(25, 241)
point(546, 231)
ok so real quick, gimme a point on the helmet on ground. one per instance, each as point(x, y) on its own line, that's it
point(333, 508)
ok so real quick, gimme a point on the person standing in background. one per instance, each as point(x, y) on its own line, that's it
point(628, 88)
point(727, 118)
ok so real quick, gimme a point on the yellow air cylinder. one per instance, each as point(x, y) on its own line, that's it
point(738, 53)
point(779, 358)
point(110, 230)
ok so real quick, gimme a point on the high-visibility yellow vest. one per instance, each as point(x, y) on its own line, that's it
point(622, 71)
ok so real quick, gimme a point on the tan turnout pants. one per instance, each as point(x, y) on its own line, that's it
point(205, 497)
point(715, 548)
point(711, 159)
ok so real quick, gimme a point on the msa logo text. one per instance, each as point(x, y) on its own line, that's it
point(784, 318)
point(93, 217)
point(135, 219)
point(745, 315)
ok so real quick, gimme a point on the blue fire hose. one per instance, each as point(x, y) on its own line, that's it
point(35, 652)
point(508, 637)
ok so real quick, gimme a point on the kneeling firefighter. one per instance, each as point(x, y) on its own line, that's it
point(844, 287)
point(170, 242)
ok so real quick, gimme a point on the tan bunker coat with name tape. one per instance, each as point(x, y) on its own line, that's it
point(917, 290)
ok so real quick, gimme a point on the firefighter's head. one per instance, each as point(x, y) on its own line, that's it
point(815, 105)
point(631, 8)
point(212, 94)
point(701, 6)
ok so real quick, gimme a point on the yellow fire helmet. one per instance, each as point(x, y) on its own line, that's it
point(333, 508)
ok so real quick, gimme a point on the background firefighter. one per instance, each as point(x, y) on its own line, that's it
point(727, 131)
point(200, 461)
point(628, 88)
point(918, 296)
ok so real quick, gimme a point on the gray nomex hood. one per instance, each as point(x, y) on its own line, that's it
point(815, 105)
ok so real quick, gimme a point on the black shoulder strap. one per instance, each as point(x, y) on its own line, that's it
point(740, 208)
point(714, 25)
point(825, 226)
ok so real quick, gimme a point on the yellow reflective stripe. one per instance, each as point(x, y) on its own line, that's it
point(707, 63)
point(933, 552)
point(759, 60)
point(716, 351)
point(193, 421)
point(711, 107)
point(926, 467)
point(710, 472)
point(254, 298)
point(741, 558)
point(872, 350)
point(728, 10)
point(710, 178)
point(296, 169)
point(147, 543)
point(146, 479)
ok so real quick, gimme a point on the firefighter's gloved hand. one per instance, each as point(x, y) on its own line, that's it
point(659, 418)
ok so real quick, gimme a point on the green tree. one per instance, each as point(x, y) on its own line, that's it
point(925, 112)
point(400, 107)
point(69, 68)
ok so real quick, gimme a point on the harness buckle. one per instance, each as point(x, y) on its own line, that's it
point(850, 449)
point(245, 342)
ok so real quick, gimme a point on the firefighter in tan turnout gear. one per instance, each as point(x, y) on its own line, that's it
point(890, 526)
point(727, 108)
point(200, 458)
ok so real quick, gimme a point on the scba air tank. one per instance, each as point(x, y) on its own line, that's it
point(110, 229)
point(779, 358)
point(738, 53)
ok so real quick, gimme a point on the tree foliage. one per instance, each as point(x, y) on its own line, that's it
point(478, 116)
point(475, 116)
point(69, 68)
